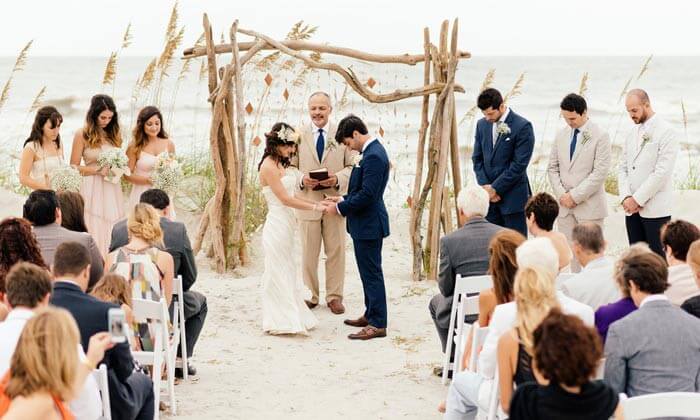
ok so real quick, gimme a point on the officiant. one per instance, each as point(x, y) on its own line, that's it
point(326, 167)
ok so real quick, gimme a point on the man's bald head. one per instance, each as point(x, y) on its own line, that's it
point(638, 106)
point(320, 108)
point(639, 94)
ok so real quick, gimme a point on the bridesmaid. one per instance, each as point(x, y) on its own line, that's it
point(104, 201)
point(149, 140)
point(42, 152)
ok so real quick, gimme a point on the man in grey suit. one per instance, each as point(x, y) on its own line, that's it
point(656, 348)
point(578, 165)
point(177, 244)
point(42, 210)
point(464, 251)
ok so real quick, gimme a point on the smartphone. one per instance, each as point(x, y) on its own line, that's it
point(116, 319)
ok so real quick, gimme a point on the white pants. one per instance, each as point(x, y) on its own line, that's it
point(468, 391)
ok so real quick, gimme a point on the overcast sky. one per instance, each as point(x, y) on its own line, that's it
point(505, 27)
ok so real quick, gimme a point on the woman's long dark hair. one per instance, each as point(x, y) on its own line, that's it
point(72, 207)
point(45, 113)
point(272, 142)
point(139, 134)
point(17, 243)
point(91, 134)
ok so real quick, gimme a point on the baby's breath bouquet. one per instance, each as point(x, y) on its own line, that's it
point(117, 162)
point(167, 173)
point(66, 178)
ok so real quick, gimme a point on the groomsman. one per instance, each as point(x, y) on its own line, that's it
point(578, 165)
point(646, 172)
point(318, 149)
point(502, 150)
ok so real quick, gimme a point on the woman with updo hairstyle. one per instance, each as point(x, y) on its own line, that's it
point(72, 207)
point(567, 354)
point(149, 140)
point(45, 370)
point(42, 152)
point(284, 309)
point(104, 201)
point(147, 268)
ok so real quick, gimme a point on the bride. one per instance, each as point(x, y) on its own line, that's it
point(284, 310)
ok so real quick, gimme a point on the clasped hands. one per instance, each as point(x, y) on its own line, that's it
point(630, 205)
point(329, 205)
point(493, 195)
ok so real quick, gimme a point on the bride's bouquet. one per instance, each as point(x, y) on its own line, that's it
point(167, 173)
point(117, 162)
point(66, 178)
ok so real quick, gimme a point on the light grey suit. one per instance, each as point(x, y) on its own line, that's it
point(466, 252)
point(654, 349)
point(52, 235)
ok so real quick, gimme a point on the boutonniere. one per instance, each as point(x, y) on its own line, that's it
point(502, 129)
point(356, 161)
point(646, 138)
point(331, 144)
point(586, 137)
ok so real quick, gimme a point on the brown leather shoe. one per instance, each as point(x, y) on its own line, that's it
point(367, 333)
point(359, 322)
point(336, 306)
point(310, 304)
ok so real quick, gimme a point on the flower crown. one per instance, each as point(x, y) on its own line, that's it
point(288, 135)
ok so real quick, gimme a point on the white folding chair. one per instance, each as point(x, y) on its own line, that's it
point(479, 334)
point(157, 314)
point(494, 402)
point(600, 369)
point(665, 404)
point(463, 286)
point(180, 313)
point(100, 375)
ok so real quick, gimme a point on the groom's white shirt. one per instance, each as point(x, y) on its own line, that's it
point(646, 170)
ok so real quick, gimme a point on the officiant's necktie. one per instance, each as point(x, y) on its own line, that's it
point(572, 146)
point(320, 144)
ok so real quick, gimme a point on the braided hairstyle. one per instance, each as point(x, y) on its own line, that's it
point(272, 142)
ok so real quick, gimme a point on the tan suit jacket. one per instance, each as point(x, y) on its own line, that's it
point(316, 227)
point(336, 157)
point(583, 175)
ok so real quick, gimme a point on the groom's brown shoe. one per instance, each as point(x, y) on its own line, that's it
point(336, 306)
point(310, 304)
point(367, 333)
point(359, 322)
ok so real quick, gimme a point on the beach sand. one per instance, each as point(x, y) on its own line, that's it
point(245, 374)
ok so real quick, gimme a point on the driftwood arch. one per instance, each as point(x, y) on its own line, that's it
point(224, 215)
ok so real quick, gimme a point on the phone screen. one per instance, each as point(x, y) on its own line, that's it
point(117, 325)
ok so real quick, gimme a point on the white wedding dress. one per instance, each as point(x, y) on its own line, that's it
point(284, 309)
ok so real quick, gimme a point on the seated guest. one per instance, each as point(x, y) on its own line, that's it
point(72, 210)
point(692, 305)
point(177, 244)
point(541, 211)
point(607, 314)
point(45, 370)
point(654, 349)
point(464, 251)
point(17, 243)
point(676, 237)
point(130, 392)
point(567, 353)
point(469, 390)
point(28, 290)
point(535, 296)
point(594, 285)
point(41, 210)
point(114, 288)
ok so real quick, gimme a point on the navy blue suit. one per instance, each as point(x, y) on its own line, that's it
point(504, 167)
point(368, 225)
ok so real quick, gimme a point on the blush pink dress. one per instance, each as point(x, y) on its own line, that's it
point(144, 167)
point(104, 201)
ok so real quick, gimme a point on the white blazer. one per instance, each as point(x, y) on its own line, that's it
point(646, 168)
point(582, 175)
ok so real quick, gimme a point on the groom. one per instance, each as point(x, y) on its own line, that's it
point(367, 221)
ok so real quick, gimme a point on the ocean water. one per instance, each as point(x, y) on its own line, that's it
point(71, 81)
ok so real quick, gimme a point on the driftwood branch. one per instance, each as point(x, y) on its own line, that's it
point(410, 59)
